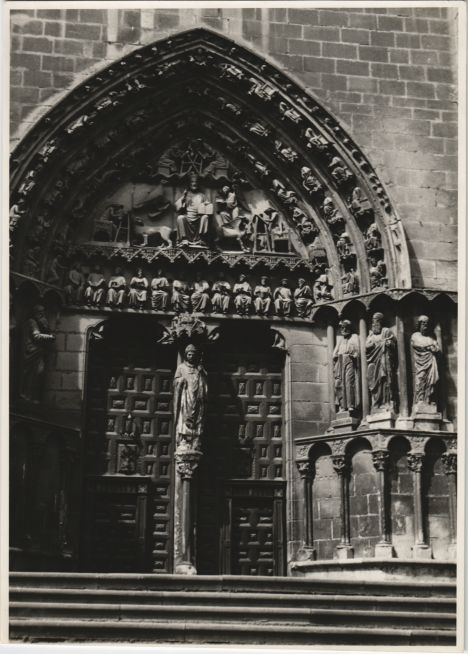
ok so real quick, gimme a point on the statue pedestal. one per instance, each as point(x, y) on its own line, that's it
point(422, 551)
point(306, 554)
point(385, 418)
point(344, 422)
point(344, 552)
point(426, 417)
point(187, 461)
point(384, 551)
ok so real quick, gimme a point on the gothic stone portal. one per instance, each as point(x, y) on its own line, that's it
point(239, 492)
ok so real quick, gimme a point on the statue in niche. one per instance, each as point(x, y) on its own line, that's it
point(259, 129)
point(192, 220)
point(258, 165)
point(323, 289)
point(117, 289)
point(282, 299)
point(159, 292)
point(303, 298)
point(228, 70)
point(36, 336)
point(377, 273)
point(180, 296)
point(340, 173)
point(309, 181)
point(190, 396)
point(54, 270)
point(359, 204)
point(74, 286)
point(230, 222)
point(350, 282)
point(425, 351)
point(138, 293)
point(242, 296)
point(343, 246)
point(262, 90)
point(331, 213)
point(200, 295)
point(128, 455)
point(95, 287)
point(286, 152)
point(373, 240)
point(289, 112)
point(230, 106)
point(346, 369)
point(286, 196)
point(380, 353)
point(262, 294)
point(315, 140)
point(221, 295)
point(31, 261)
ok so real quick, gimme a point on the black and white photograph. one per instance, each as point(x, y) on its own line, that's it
point(230, 414)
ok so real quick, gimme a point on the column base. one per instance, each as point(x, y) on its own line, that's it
point(185, 568)
point(422, 551)
point(344, 422)
point(306, 554)
point(344, 552)
point(384, 551)
point(384, 419)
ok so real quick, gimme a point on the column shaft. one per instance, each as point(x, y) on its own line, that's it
point(331, 380)
point(421, 549)
point(402, 369)
point(364, 387)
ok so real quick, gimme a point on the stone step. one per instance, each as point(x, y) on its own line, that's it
point(173, 583)
point(257, 615)
point(186, 631)
point(206, 598)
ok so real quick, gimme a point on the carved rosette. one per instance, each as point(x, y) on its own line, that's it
point(416, 461)
point(187, 462)
point(449, 461)
point(380, 459)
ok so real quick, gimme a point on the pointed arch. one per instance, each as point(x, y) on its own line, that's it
point(199, 82)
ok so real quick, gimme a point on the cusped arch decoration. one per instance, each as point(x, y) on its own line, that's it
point(199, 85)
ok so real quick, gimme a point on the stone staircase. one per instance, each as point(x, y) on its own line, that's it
point(77, 607)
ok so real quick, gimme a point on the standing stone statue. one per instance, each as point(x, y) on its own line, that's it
point(35, 337)
point(346, 369)
point(426, 374)
point(380, 352)
point(190, 395)
point(159, 291)
point(192, 215)
point(74, 287)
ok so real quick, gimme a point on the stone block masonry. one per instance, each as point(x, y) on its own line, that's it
point(388, 75)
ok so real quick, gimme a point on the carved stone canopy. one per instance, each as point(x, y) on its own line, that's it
point(209, 106)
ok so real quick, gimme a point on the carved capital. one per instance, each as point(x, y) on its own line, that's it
point(187, 462)
point(340, 464)
point(380, 459)
point(304, 468)
point(449, 461)
point(415, 461)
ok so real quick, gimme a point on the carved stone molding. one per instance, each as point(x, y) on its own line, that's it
point(256, 99)
point(449, 461)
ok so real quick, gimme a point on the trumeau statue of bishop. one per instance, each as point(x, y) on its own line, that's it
point(193, 210)
point(190, 395)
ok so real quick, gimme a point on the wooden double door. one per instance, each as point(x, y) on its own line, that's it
point(129, 485)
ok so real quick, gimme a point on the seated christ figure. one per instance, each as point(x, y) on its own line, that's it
point(193, 209)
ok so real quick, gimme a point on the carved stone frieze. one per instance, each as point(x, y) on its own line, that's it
point(449, 461)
